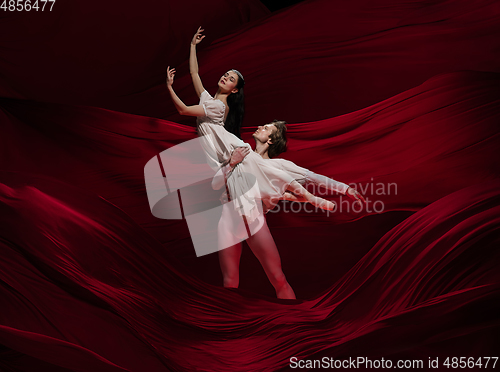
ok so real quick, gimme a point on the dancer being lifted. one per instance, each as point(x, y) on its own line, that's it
point(219, 121)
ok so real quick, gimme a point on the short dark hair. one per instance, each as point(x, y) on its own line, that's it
point(278, 138)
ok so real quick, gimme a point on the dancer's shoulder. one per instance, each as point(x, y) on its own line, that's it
point(205, 96)
point(282, 163)
point(289, 166)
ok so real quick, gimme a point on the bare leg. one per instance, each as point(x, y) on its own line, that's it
point(300, 191)
point(263, 246)
point(229, 259)
point(230, 232)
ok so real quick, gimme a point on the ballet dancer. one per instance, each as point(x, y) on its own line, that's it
point(270, 141)
point(219, 119)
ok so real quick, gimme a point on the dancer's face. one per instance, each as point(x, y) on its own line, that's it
point(228, 82)
point(264, 132)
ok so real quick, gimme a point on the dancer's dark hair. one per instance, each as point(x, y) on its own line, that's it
point(278, 138)
point(236, 103)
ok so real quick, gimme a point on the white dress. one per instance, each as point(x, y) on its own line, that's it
point(251, 181)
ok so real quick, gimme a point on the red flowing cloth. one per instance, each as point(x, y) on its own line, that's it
point(91, 281)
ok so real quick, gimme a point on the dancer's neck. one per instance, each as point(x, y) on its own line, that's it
point(221, 96)
point(262, 149)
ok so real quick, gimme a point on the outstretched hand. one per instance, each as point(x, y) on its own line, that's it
point(170, 76)
point(353, 194)
point(198, 37)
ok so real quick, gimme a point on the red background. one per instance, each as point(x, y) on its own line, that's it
point(376, 91)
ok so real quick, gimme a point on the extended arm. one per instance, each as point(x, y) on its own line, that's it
point(193, 62)
point(333, 185)
point(195, 110)
point(328, 183)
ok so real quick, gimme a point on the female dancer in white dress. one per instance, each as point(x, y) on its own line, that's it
point(212, 113)
point(216, 115)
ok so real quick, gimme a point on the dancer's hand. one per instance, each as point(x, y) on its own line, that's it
point(353, 194)
point(170, 76)
point(287, 195)
point(238, 155)
point(198, 37)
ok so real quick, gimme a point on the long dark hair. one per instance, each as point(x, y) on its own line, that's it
point(236, 103)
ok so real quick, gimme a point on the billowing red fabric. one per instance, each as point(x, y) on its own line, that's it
point(66, 239)
point(429, 141)
point(91, 281)
point(85, 288)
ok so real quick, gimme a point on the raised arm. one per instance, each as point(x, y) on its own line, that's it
point(195, 110)
point(193, 62)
